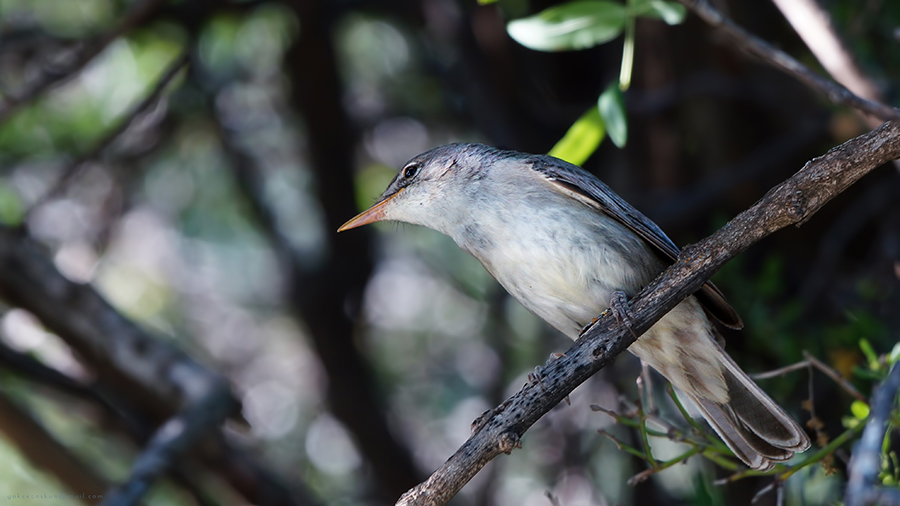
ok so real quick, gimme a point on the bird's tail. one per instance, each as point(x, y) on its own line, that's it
point(756, 429)
point(682, 347)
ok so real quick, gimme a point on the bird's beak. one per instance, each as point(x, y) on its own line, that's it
point(370, 215)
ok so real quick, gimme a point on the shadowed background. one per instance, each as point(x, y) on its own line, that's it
point(201, 201)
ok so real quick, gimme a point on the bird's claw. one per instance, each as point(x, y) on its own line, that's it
point(534, 378)
point(619, 306)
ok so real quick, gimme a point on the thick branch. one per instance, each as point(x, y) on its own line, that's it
point(784, 62)
point(123, 355)
point(45, 452)
point(790, 203)
point(866, 462)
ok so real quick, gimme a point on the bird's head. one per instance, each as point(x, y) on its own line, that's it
point(432, 188)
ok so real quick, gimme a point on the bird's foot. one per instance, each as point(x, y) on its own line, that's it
point(534, 378)
point(480, 422)
point(619, 306)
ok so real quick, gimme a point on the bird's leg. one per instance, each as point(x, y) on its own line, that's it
point(619, 306)
point(534, 378)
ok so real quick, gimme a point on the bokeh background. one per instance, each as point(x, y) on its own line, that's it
point(191, 160)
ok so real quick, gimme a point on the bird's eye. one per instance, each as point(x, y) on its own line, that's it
point(411, 171)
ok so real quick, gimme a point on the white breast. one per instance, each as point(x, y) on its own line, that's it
point(559, 257)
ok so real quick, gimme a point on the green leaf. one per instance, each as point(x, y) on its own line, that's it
point(894, 355)
point(859, 409)
point(672, 13)
point(612, 110)
point(486, 2)
point(574, 25)
point(582, 138)
point(870, 354)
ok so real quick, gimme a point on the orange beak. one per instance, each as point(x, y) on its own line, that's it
point(370, 215)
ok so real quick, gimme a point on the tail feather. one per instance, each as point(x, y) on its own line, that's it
point(683, 348)
point(754, 451)
point(756, 429)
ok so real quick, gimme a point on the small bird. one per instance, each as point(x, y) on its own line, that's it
point(563, 244)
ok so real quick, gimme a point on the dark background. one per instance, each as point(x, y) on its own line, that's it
point(360, 359)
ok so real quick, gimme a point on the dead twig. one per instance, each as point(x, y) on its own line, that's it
point(836, 376)
point(779, 59)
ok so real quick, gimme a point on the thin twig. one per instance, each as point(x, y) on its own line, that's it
point(836, 376)
point(786, 63)
point(814, 26)
point(661, 466)
point(75, 167)
point(781, 371)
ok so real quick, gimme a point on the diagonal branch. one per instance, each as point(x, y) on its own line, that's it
point(51, 77)
point(125, 357)
point(779, 59)
point(45, 452)
point(814, 26)
point(791, 203)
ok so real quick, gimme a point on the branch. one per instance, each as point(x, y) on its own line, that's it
point(51, 77)
point(173, 439)
point(45, 452)
point(250, 478)
point(866, 461)
point(784, 62)
point(74, 168)
point(791, 203)
point(123, 355)
point(814, 26)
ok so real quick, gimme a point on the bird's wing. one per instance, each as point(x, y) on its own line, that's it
point(584, 184)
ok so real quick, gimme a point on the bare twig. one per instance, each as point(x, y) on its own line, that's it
point(780, 371)
point(814, 26)
point(51, 77)
point(791, 203)
point(781, 60)
point(75, 167)
point(866, 461)
point(833, 374)
point(812, 361)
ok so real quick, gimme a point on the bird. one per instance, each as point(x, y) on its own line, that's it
point(563, 244)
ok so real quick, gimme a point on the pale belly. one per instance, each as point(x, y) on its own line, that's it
point(568, 278)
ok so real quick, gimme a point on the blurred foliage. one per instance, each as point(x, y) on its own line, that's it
point(160, 224)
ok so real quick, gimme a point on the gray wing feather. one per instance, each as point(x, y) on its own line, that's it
point(583, 182)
